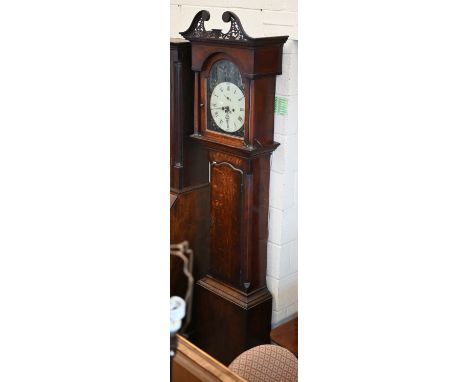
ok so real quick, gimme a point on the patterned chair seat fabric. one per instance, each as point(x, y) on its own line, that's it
point(266, 363)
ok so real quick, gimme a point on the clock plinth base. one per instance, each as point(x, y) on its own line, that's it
point(230, 321)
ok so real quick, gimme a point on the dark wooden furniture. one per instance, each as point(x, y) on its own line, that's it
point(189, 166)
point(285, 335)
point(189, 163)
point(190, 221)
point(233, 302)
point(191, 364)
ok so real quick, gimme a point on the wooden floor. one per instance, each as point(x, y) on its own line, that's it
point(285, 335)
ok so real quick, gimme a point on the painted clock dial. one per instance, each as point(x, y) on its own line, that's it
point(226, 99)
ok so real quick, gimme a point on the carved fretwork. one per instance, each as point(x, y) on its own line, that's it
point(197, 28)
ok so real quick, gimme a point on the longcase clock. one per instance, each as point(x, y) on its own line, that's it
point(234, 90)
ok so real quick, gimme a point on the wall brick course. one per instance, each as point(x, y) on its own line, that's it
point(278, 317)
point(282, 190)
point(284, 158)
point(278, 260)
point(281, 5)
point(287, 292)
point(287, 124)
point(286, 84)
point(282, 225)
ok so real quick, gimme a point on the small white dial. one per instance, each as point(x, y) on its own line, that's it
point(227, 106)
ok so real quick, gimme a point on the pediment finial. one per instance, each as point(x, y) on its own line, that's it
point(197, 30)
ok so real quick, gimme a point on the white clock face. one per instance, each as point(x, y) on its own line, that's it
point(227, 105)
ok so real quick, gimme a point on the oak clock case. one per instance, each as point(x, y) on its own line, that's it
point(234, 90)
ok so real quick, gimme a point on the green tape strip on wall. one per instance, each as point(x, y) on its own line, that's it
point(281, 105)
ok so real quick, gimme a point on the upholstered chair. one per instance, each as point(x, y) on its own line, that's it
point(266, 363)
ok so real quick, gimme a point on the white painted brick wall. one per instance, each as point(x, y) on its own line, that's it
point(282, 271)
point(284, 159)
point(282, 190)
point(259, 17)
point(268, 18)
point(287, 124)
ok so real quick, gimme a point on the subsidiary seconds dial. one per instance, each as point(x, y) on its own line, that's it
point(227, 104)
